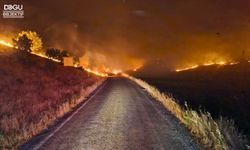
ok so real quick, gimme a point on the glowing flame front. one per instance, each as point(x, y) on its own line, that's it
point(187, 68)
point(4, 43)
point(220, 63)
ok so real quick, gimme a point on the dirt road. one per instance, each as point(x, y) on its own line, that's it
point(120, 116)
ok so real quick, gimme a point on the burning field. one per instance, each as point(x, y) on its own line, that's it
point(216, 84)
point(197, 50)
point(100, 67)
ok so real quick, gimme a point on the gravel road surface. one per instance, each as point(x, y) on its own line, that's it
point(121, 115)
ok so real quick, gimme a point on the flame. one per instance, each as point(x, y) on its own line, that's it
point(104, 72)
point(36, 40)
point(233, 63)
point(116, 72)
point(187, 68)
point(76, 65)
point(208, 64)
point(44, 56)
point(137, 68)
point(220, 63)
point(4, 43)
point(96, 72)
point(216, 63)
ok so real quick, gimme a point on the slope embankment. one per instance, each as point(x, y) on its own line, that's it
point(35, 92)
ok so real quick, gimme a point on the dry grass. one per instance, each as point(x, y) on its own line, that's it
point(212, 134)
point(34, 92)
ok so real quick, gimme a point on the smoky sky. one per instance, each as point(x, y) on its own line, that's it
point(128, 32)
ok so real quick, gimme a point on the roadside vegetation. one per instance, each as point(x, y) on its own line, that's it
point(220, 90)
point(212, 134)
point(35, 92)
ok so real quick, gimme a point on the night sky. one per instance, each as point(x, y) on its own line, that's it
point(125, 33)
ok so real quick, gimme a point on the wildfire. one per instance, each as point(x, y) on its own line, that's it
point(220, 63)
point(102, 71)
point(187, 68)
point(44, 56)
point(233, 63)
point(4, 43)
point(105, 72)
point(96, 72)
point(137, 68)
point(116, 72)
point(208, 64)
point(36, 40)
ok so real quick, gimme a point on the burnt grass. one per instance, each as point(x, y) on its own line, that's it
point(220, 90)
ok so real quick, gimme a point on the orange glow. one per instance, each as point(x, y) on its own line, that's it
point(36, 41)
point(233, 63)
point(96, 72)
point(214, 63)
point(208, 64)
point(103, 72)
point(44, 56)
point(137, 68)
point(4, 43)
point(8, 44)
point(220, 63)
point(116, 72)
point(187, 68)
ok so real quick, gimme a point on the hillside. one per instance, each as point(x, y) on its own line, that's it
point(34, 92)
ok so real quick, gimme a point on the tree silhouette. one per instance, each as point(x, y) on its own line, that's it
point(65, 53)
point(57, 54)
point(23, 43)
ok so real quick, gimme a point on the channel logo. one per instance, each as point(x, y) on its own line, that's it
point(13, 11)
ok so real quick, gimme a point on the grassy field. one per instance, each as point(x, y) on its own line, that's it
point(213, 134)
point(34, 92)
point(222, 91)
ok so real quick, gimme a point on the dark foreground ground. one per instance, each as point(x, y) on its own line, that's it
point(120, 115)
point(221, 91)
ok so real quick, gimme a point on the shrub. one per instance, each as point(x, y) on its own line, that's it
point(56, 54)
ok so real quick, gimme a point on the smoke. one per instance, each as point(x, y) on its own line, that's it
point(66, 36)
point(160, 35)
